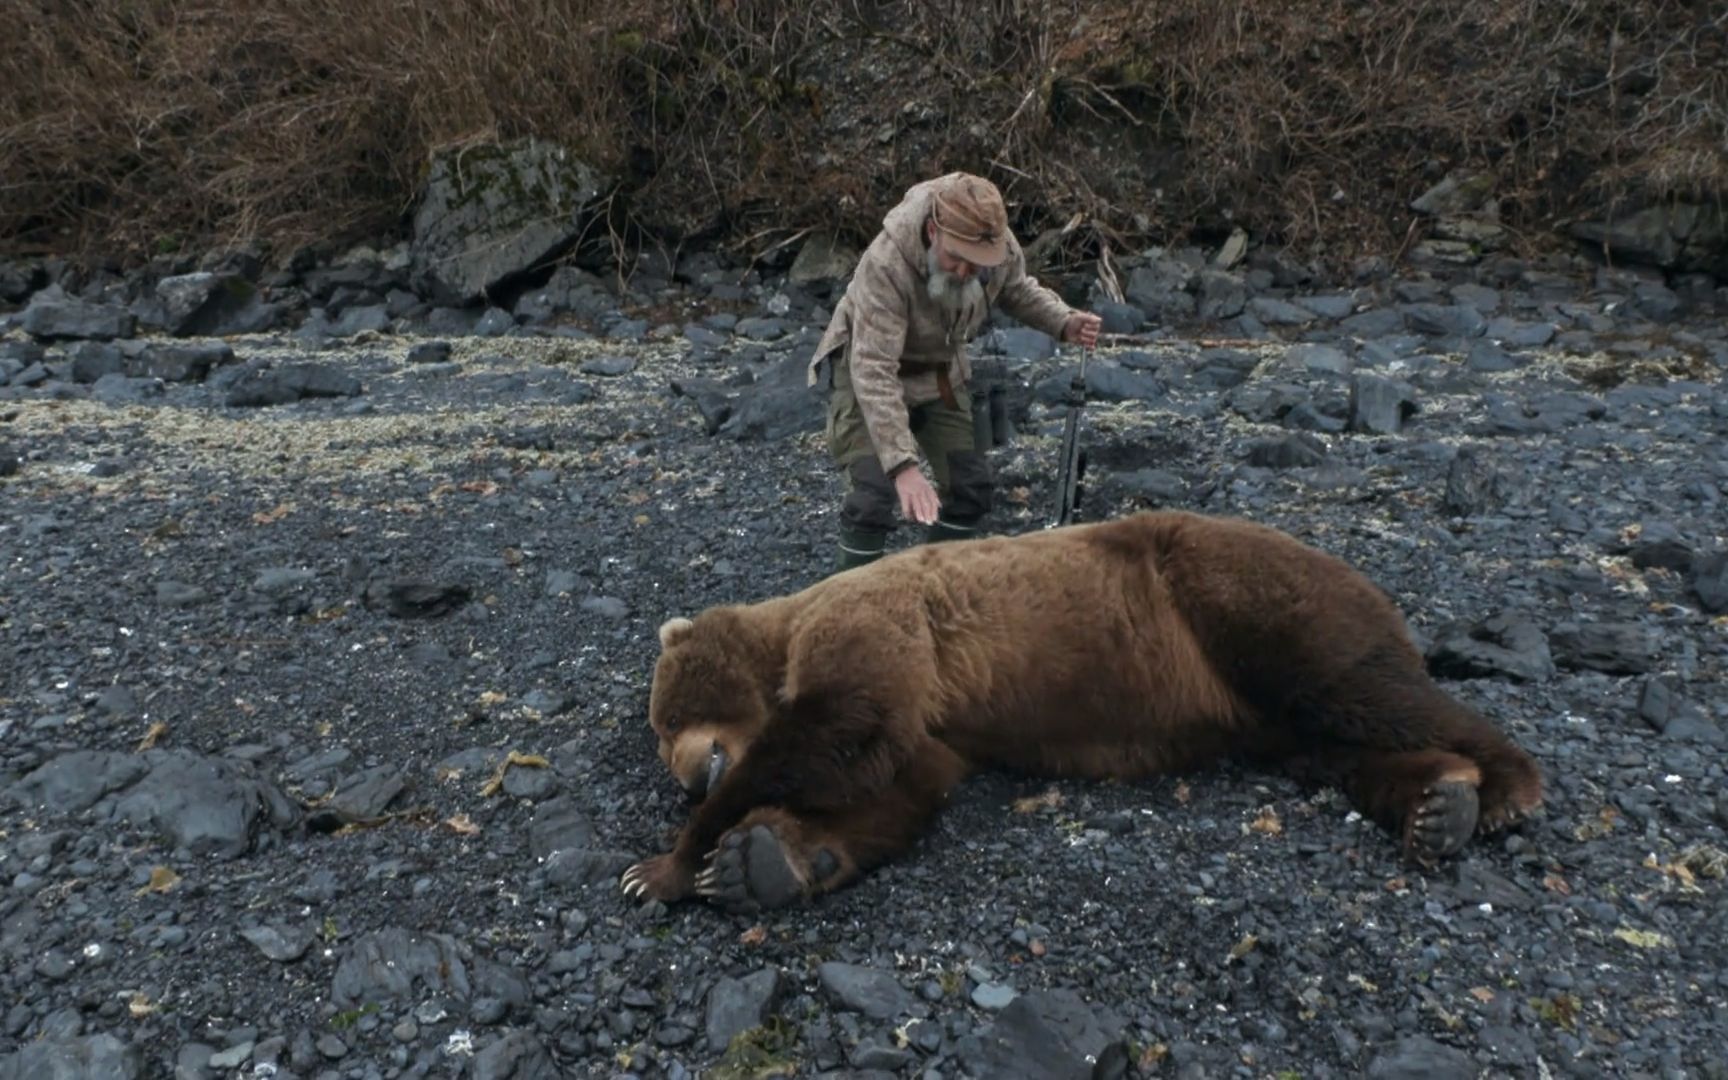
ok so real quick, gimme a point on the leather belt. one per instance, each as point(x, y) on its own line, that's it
point(944, 382)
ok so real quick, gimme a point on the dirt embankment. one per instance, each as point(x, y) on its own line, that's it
point(155, 126)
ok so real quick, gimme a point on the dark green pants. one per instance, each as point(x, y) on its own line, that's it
point(944, 435)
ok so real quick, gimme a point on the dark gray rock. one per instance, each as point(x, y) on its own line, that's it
point(875, 993)
point(1268, 402)
point(1662, 705)
point(1223, 295)
point(429, 352)
point(93, 359)
point(1297, 451)
point(822, 257)
point(18, 281)
point(581, 868)
point(285, 385)
point(1120, 318)
point(282, 946)
point(1515, 334)
point(1613, 648)
point(1480, 297)
point(1374, 323)
point(1457, 193)
point(409, 598)
point(1677, 236)
point(714, 402)
point(126, 390)
point(76, 781)
point(207, 805)
point(1157, 487)
point(1104, 382)
point(52, 316)
point(558, 825)
point(1222, 369)
point(705, 338)
point(367, 795)
point(1417, 1057)
point(1444, 320)
point(1504, 645)
point(777, 406)
point(1316, 357)
point(1709, 573)
point(495, 322)
point(1044, 1035)
point(518, 1055)
point(735, 1006)
point(1659, 545)
point(1380, 406)
point(1163, 288)
point(397, 965)
point(1331, 306)
point(183, 362)
point(1274, 312)
point(1487, 358)
point(609, 366)
point(92, 1057)
point(607, 607)
point(180, 594)
point(207, 304)
point(761, 328)
point(1474, 485)
point(1022, 343)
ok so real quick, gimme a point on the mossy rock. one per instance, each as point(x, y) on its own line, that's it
point(490, 212)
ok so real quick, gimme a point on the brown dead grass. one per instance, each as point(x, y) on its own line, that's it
point(135, 126)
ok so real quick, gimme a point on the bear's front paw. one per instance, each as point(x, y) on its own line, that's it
point(661, 878)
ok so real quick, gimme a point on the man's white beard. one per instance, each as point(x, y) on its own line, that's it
point(951, 294)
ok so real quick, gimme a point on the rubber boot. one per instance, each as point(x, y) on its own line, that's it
point(857, 548)
point(947, 530)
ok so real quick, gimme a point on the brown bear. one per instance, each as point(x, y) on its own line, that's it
point(818, 732)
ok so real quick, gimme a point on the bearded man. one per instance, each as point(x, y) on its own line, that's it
point(896, 367)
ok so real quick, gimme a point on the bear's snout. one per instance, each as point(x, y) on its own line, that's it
point(705, 780)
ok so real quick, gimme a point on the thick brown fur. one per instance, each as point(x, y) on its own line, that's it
point(1158, 642)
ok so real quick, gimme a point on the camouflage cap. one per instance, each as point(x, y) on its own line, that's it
point(969, 212)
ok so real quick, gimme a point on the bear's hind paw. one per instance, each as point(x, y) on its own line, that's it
point(750, 871)
point(1442, 822)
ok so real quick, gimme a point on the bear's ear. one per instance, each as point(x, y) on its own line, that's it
point(673, 629)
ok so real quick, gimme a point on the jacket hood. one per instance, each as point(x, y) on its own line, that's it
point(904, 224)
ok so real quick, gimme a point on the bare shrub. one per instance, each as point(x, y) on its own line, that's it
point(293, 120)
point(132, 126)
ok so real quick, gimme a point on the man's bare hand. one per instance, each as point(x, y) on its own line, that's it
point(918, 499)
point(1082, 329)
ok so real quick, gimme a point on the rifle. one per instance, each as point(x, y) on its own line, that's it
point(1069, 489)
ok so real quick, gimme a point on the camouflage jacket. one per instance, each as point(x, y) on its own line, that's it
point(896, 335)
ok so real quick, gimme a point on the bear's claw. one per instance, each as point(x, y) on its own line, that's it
point(1502, 817)
point(1442, 823)
point(659, 878)
point(750, 872)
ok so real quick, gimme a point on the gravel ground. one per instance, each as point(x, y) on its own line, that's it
point(323, 724)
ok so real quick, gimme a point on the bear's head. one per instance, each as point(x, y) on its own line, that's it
point(713, 693)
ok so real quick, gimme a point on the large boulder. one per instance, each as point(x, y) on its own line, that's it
point(54, 316)
point(207, 304)
point(491, 213)
point(1682, 237)
point(822, 258)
